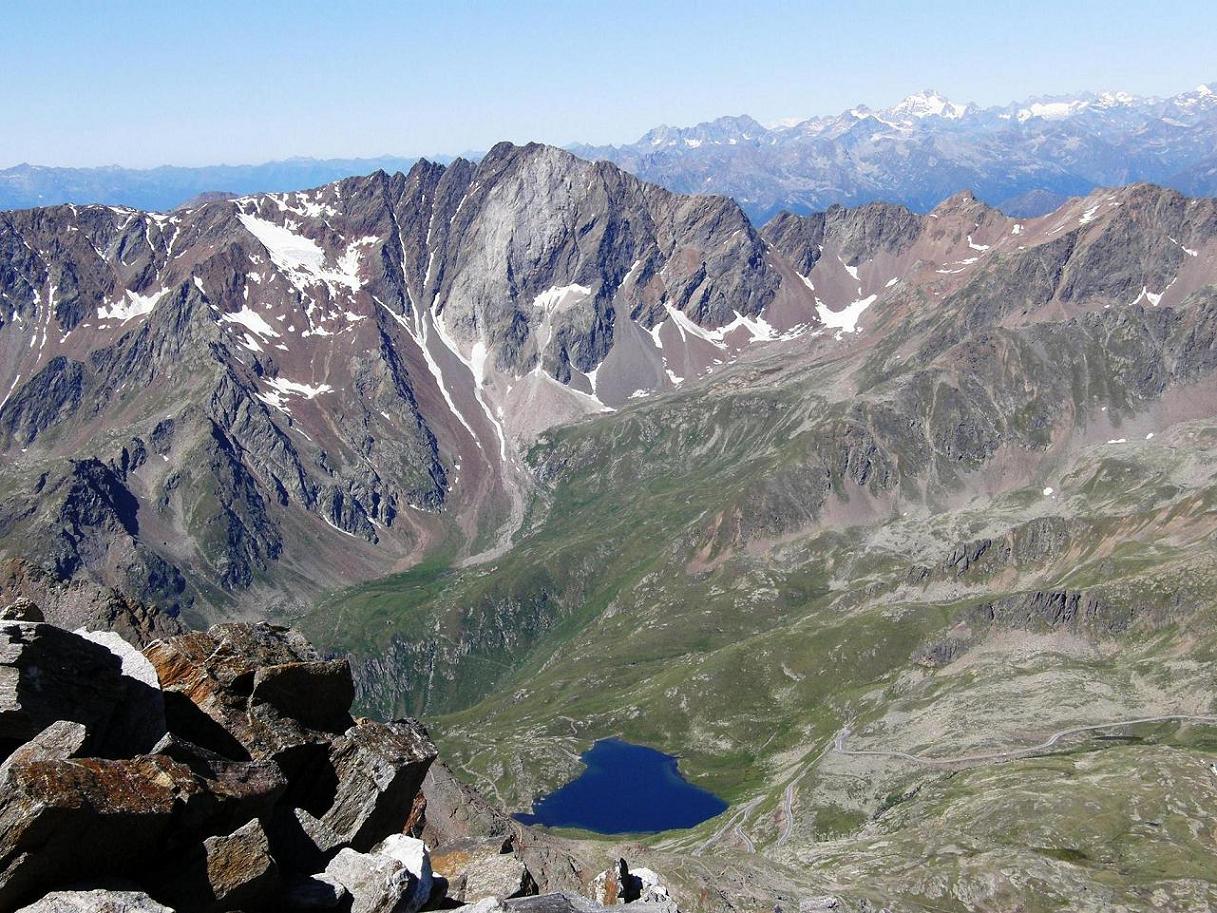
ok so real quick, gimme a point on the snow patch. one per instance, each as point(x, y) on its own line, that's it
point(302, 260)
point(252, 321)
point(130, 305)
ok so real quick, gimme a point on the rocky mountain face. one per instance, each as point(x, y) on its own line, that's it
point(1024, 158)
point(239, 405)
point(958, 344)
point(935, 569)
point(843, 511)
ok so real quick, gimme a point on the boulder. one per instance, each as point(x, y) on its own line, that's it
point(646, 886)
point(411, 853)
point(301, 842)
point(611, 886)
point(376, 883)
point(229, 872)
point(317, 694)
point(365, 789)
point(475, 869)
point(185, 751)
point(562, 902)
point(619, 884)
point(65, 820)
point(450, 859)
point(48, 674)
point(495, 876)
point(209, 677)
point(313, 892)
point(234, 793)
point(96, 902)
point(58, 742)
point(139, 720)
point(21, 610)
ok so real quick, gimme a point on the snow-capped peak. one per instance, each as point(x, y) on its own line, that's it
point(927, 104)
point(1054, 109)
point(1114, 100)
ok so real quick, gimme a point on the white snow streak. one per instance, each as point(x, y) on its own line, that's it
point(129, 306)
point(251, 320)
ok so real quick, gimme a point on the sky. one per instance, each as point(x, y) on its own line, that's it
point(195, 82)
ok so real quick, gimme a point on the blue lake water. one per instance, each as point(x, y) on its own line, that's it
point(626, 789)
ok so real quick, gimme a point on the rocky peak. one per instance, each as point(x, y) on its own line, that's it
point(926, 103)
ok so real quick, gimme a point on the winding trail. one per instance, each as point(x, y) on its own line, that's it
point(732, 824)
point(838, 745)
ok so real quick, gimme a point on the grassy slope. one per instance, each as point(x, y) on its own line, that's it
point(632, 605)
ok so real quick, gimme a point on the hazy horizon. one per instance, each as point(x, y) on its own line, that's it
point(223, 84)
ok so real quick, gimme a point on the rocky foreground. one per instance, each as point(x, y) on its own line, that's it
point(221, 770)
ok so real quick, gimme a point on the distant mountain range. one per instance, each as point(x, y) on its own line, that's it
point(1025, 158)
point(165, 188)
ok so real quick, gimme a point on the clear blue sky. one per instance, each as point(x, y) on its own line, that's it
point(197, 82)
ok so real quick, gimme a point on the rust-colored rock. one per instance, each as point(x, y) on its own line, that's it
point(476, 869)
point(208, 678)
point(64, 820)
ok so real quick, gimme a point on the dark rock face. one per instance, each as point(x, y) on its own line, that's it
point(121, 810)
point(231, 872)
point(51, 396)
point(48, 674)
point(1040, 611)
point(862, 233)
point(318, 693)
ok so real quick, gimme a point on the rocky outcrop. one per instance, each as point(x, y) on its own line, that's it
point(267, 400)
point(171, 769)
point(476, 868)
point(96, 901)
point(1085, 612)
point(619, 884)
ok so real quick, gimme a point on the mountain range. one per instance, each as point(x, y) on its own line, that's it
point(1024, 158)
point(843, 509)
point(170, 186)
